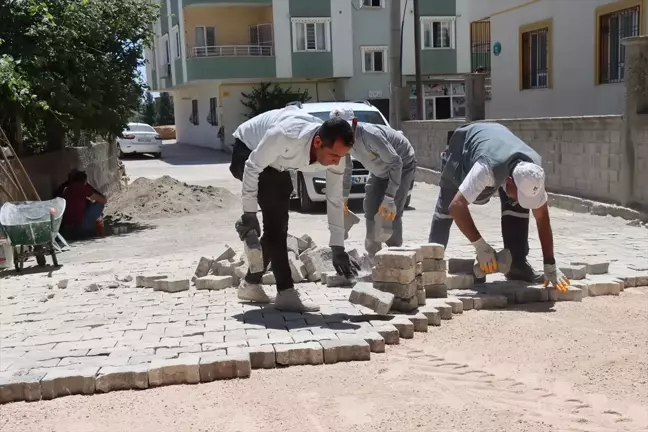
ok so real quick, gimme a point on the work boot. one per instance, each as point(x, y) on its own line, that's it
point(523, 272)
point(290, 301)
point(252, 292)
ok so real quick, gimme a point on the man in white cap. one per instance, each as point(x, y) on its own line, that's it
point(481, 160)
point(389, 157)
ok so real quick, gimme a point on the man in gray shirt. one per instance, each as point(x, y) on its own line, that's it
point(389, 157)
point(266, 148)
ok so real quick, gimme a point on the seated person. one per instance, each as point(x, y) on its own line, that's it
point(84, 205)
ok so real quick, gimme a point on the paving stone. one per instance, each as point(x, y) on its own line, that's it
point(63, 283)
point(594, 267)
point(363, 259)
point(419, 253)
point(436, 291)
point(455, 304)
point(366, 295)
point(382, 274)
point(405, 305)
point(227, 254)
point(16, 388)
point(459, 281)
point(147, 281)
point(376, 341)
point(220, 367)
point(432, 251)
point(334, 280)
point(402, 260)
point(112, 378)
point(581, 285)
point(572, 294)
point(404, 325)
point(432, 314)
point(227, 268)
point(261, 356)
point(419, 320)
point(317, 261)
point(172, 285)
point(531, 294)
point(268, 279)
point(603, 287)
point(204, 265)
point(345, 350)
point(307, 353)
point(434, 278)
point(421, 296)
point(506, 288)
point(174, 371)
point(419, 269)
point(398, 289)
point(214, 283)
point(65, 382)
point(306, 243)
point(468, 301)
point(433, 265)
point(445, 310)
point(492, 301)
point(504, 261)
point(575, 272)
point(241, 272)
point(389, 333)
point(461, 266)
point(298, 270)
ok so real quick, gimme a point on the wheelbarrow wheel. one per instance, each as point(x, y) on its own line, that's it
point(18, 260)
point(40, 260)
point(52, 252)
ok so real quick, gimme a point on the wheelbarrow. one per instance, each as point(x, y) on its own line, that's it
point(31, 227)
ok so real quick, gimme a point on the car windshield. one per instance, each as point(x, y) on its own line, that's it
point(373, 117)
point(139, 128)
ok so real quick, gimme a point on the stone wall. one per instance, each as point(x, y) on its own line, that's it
point(47, 171)
point(581, 155)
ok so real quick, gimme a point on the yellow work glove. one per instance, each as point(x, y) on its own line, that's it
point(346, 206)
point(486, 256)
point(387, 209)
point(556, 278)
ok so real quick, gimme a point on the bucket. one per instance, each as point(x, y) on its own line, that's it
point(6, 254)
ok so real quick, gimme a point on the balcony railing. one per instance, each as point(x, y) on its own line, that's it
point(233, 51)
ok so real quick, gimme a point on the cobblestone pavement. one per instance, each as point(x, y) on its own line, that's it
point(43, 326)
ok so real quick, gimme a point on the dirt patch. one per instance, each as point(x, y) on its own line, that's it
point(145, 200)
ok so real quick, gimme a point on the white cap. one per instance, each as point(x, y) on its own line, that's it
point(530, 181)
point(343, 113)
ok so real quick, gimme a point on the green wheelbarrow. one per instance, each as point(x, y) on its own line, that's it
point(31, 227)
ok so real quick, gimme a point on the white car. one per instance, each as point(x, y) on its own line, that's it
point(310, 188)
point(140, 138)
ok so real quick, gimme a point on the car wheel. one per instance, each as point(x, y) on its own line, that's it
point(120, 153)
point(157, 155)
point(305, 203)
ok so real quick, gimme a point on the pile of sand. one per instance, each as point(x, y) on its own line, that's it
point(165, 197)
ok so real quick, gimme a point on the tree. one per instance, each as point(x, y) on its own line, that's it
point(165, 114)
point(149, 111)
point(268, 96)
point(71, 65)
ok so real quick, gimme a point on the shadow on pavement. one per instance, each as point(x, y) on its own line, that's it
point(272, 318)
point(34, 269)
point(112, 229)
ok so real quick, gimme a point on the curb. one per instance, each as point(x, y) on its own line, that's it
point(561, 201)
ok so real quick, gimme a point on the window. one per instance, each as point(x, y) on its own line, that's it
point(139, 127)
point(213, 112)
point(311, 34)
point(480, 46)
point(177, 48)
point(535, 56)
point(612, 25)
point(374, 59)
point(205, 36)
point(438, 32)
point(167, 53)
point(441, 100)
point(373, 3)
point(194, 112)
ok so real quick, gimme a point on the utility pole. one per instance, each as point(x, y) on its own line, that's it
point(395, 64)
point(417, 61)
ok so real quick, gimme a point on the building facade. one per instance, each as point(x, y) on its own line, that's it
point(549, 58)
point(208, 52)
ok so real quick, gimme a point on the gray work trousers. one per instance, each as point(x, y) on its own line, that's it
point(374, 193)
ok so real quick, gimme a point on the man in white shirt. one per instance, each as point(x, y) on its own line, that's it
point(487, 158)
point(266, 147)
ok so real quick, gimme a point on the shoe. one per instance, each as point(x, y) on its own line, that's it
point(252, 293)
point(290, 301)
point(524, 272)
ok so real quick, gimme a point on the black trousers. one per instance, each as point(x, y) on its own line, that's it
point(275, 189)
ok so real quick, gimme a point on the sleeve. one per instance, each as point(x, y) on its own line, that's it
point(88, 191)
point(479, 178)
point(335, 203)
point(348, 174)
point(266, 153)
point(379, 145)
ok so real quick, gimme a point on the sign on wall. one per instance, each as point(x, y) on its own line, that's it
point(497, 48)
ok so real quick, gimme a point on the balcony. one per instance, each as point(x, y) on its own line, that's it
point(230, 62)
point(228, 2)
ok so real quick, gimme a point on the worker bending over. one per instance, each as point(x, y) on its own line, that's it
point(266, 147)
point(483, 159)
point(389, 158)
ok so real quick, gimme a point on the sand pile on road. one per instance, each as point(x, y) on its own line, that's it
point(165, 197)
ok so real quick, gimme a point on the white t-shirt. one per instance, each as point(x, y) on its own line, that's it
point(479, 178)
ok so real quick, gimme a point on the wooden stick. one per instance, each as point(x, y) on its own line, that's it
point(4, 136)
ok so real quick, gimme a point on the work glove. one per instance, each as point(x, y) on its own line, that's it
point(343, 263)
point(555, 277)
point(387, 209)
point(346, 206)
point(246, 223)
point(485, 256)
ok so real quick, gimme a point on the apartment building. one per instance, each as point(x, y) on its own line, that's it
point(208, 52)
point(549, 57)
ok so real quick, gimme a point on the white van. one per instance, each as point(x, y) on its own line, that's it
point(310, 188)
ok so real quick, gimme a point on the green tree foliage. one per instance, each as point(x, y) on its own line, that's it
point(149, 112)
point(165, 114)
point(71, 65)
point(268, 96)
